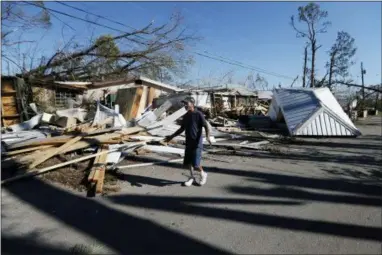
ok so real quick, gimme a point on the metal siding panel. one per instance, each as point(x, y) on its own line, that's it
point(323, 124)
point(314, 128)
point(338, 128)
point(328, 124)
point(333, 125)
point(310, 129)
point(328, 99)
point(318, 124)
point(343, 130)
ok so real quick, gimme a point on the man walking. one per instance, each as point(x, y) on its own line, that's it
point(193, 123)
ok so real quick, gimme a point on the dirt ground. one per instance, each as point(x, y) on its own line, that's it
point(315, 196)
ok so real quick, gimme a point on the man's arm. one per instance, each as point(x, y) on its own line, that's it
point(206, 128)
point(177, 132)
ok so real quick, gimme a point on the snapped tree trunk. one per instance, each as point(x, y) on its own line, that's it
point(331, 71)
point(313, 60)
point(304, 68)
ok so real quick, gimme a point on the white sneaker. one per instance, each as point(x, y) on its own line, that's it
point(189, 182)
point(204, 178)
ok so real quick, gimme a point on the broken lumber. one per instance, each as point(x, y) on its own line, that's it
point(93, 175)
point(58, 140)
point(55, 151)
point(12, 153)
point(47, 169)
point(101, 171)
point(85, 143)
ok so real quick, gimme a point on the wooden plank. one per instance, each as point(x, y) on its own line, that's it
point(88, 141)
point(129, 101)
point(136, 103)
point(58, 140)
point(12, 153)
point(101, 171)
point(54, 152)
point(93, 175)
point(142, 102)
point(7, 86)
point(3, 122)
point(152, 94)
point(11, 99)
point(85, 143)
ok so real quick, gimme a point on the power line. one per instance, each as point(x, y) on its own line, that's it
point(99, 16)
point(258, 69)
point(242, 65)
point(74, 17)
point(206, 54)
point(230, 61)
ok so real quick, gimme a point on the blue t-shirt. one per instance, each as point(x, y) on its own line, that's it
point(193, 123)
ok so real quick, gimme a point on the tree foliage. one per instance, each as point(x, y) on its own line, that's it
point(314, 20)
point(341, 54)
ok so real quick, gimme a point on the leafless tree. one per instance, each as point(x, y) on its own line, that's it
point(156, 49)
point(313, 17)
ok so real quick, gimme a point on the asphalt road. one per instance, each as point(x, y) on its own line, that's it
point(325, 198)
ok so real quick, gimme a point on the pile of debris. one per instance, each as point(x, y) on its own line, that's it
point(85, 150)
point(76, 148)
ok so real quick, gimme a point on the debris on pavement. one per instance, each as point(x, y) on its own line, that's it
point(97, 142)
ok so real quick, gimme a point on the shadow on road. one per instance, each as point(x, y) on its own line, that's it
point(119, 231)
point(127, 233)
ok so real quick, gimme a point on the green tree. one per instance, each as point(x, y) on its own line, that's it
point(341, 54)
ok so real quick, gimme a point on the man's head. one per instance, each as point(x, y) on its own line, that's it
point(189, 103)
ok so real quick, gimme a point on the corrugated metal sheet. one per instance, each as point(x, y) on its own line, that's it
point(297, 106)
point(313, 112)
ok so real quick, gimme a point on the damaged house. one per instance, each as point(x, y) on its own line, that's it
point(230, 102)
point(135, 91)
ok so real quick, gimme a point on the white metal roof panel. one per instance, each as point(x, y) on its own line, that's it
point(297, 106)
point(313, 112)
point(327, 98)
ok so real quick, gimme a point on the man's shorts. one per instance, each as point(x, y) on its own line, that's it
point(192, 157)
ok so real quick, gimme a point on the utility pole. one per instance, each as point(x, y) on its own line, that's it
point(363, 87)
